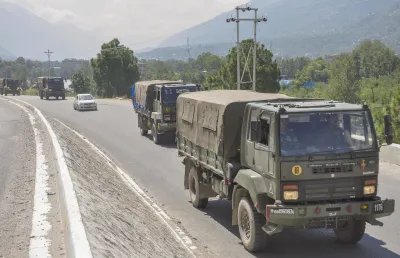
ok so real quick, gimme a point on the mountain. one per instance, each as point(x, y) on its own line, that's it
point(5, 54)
point(25, 34)
point(307, 27)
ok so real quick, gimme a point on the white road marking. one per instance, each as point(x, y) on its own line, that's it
point(184, 240)
point(40, 243)
point(76, 241)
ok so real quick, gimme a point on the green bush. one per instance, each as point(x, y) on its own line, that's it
point(31, 92)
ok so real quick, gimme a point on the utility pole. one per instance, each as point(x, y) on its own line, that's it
point(256, 20)
point(188, 49)
point(48, 53)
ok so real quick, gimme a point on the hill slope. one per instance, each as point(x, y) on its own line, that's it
point(286, 17)
point(5, 54)
point(296, 28)
point(25, 34)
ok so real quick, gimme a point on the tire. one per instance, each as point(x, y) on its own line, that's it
point(5, 94)
point(194, 192)
point(47, 97)
point(19, 93)
point(41, 95)
point(63, 97)
point(143, 132)
point(56, 97)
point(250, 224)
point(13, 94)
point(154, 133)
point(351, 232)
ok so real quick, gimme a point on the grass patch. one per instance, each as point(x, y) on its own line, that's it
point(30, 92)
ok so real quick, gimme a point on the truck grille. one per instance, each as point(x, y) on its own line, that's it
point(340, 190)
point(329, 189)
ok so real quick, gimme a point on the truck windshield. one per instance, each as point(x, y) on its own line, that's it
point(169, 95)
point(56, 82)
point(325, 133)
point(12, 82)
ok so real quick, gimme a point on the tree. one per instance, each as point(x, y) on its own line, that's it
point(395, 112)
point(80, 83)
point(267, 69)
point(115, 70)
point(343, 84)
point(315, 71)
point(373, 59)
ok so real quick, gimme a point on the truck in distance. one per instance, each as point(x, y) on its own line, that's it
point(51, 87)
point(283, 162)
point(155, 104)
point(10, 86)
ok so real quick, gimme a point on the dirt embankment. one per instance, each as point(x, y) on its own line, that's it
point(117, 222)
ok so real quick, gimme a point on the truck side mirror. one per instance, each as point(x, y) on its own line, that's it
point(388, 129)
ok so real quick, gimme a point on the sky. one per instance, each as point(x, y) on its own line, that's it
point(139, 22)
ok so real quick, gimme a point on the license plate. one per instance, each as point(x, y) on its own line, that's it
point(378, 207)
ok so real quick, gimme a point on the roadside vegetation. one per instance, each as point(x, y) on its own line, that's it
point(369, 74)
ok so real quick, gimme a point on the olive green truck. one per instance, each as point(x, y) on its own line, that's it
point(283, 162)
point(10, 86)
point(155, 103)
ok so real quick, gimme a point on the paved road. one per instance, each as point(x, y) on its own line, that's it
point(17, 173)
point(158, 169)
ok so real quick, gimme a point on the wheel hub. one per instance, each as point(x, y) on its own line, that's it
point(245, 224)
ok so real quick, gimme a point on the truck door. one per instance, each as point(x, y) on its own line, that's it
point(263, 147)
point(157, 100)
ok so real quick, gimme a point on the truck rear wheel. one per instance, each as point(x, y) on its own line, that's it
point(143, 132)
point(350, 232)
point(194, 190)
point(250, 224)
point(154, 133)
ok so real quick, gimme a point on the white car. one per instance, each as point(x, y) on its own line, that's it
point(85, 102)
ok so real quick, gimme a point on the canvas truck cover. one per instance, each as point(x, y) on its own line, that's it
point(213, 119)
point(144, 89)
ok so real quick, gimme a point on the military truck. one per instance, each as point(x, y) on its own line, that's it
point(10, 86)
point(155, 104)
point(51, 87)
point(283, 162)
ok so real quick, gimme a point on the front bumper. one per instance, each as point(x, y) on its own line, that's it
point(87, 107)
point(309, 216)
point(166, 127)
point(55, 93)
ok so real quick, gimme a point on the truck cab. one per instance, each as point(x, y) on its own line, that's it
point(311, 164)
point(51, 87)
point(10, 86)
point(155, 103)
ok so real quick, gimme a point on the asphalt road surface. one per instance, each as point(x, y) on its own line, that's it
point(17, 174)
point(159, 170)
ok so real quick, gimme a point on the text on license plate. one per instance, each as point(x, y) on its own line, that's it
point(378, 207)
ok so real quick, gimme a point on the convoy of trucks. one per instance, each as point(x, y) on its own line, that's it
point(51, 87)
point(283, 162)
point(10, 86)
point(155, 105)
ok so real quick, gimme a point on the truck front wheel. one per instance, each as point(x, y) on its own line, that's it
point(194, 190)
point(350, 232)
point(250, 224)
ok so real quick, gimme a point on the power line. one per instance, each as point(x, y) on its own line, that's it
point(256, 20)
point(48, 53)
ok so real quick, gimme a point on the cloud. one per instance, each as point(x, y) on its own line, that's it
point(147, 19)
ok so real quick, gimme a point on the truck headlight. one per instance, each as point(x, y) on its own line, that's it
point(290, 192)
point(369, 187)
